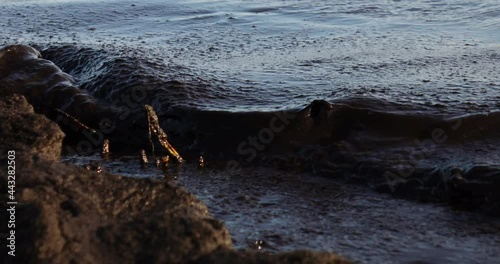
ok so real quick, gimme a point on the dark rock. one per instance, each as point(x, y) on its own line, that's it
point(71, 206)
point(104, 218)
point(15, 104)
point(26, 132)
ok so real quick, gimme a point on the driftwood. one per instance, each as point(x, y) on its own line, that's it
point(154, 127)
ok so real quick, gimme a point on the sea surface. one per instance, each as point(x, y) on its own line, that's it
point(398, 97)
point(284, 54)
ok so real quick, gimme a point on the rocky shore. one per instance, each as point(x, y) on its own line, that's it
point(65, 214)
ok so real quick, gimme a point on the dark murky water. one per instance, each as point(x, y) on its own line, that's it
point(285, 211)
point(402, 96)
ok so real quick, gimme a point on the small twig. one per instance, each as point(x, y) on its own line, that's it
point(144, 158)
point(164, 162)
point(150, 139)
point(105, 146)
point(154, 126)
point(75, 121)
point(105, 149)
point(201, 162)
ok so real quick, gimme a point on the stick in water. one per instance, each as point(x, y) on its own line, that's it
point(154, 126)
point(75, 121)
point(144, 158)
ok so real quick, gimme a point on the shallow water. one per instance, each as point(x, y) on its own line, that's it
point(392, 71)
point(269, 210)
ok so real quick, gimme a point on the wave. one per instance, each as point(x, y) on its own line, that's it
point(406, 149)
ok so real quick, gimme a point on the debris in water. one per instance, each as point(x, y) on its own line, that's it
point(201, 162)
point(162, 163)
point(258, 244)
point(75, 121)
point(144, 158)
point(154, 126)
point(105, 149)
point(94, 166)
point(165, 160)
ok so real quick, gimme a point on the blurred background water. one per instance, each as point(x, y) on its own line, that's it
point(284, 54)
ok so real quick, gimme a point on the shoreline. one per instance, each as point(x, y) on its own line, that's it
point(70, 214)
point(97, 199)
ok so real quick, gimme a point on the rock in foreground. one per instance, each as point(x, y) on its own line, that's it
point(26, 132)
point(70, 215)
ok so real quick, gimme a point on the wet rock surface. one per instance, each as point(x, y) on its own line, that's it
point(92, 218)
point(23, 130)
point(69, 215)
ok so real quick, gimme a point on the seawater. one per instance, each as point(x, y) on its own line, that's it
point(283, 54)
point(392, 71)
